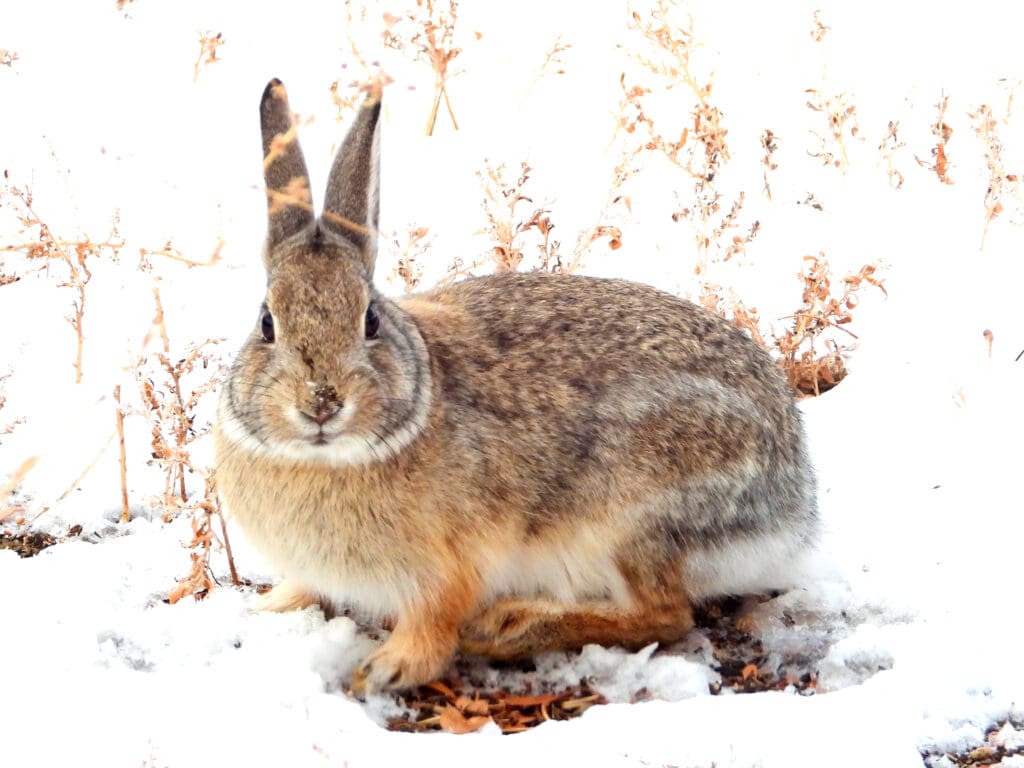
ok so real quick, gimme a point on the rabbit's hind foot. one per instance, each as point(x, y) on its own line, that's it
point(521, 627)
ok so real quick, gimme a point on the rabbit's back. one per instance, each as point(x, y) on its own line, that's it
point(577, 401)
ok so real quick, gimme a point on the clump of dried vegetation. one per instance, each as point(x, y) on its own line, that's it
point(172, 386)
point(809, 350)
point(698, 147)
point(69, 258)
point(428, 34)
point(507, 229)
point(170, 396)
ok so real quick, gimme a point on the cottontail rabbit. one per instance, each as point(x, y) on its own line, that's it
point(506, 465)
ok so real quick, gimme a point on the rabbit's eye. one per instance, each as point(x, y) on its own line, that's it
point(267, 326)
point(372, 323)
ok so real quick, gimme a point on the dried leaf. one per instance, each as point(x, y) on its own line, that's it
point(454, 721)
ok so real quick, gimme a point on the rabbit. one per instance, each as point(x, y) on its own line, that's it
point(503, 466)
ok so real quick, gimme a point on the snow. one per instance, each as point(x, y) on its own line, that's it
point(910, 612)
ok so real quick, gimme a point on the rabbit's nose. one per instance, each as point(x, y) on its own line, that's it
point(325, 404)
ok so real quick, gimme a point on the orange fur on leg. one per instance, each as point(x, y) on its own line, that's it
point(422, 643)
point(517, 627)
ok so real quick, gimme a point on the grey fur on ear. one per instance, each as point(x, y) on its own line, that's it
point(289, 203)
point(352, 202)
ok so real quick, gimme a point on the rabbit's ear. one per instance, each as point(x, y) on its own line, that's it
point(289, 205)
point(352, 201)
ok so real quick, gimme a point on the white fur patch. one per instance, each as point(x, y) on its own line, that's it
point(765, 562)
point(566, 571)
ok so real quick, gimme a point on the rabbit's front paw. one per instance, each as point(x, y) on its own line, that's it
point(400, 663)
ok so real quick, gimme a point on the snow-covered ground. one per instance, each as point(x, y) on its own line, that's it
point(910, 615)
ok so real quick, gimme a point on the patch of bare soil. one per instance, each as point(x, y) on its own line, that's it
point(31, 543)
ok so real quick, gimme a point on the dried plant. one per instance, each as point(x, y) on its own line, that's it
point(887, 149)
point(770, 147)
point(347, 102)
point(6, 429)
point(809, 352)
point(672, 46)
point(820, 29)
point(1000, 183)
point(698, 148)
point(7, 57)
point(168, 251)
point(200, 579)
point(507, 228)
point(714, 242)
point(617, 205)
point(431, 38)
point(208, 45)
point(814, 361)
point(172, 388)
point(408, 267)
point(119, 413)
point(73, 256)
point(347, 97)
point(5, 278)
point(552, 65)
point(841, 114)
point(812, 201)
point(940, 155)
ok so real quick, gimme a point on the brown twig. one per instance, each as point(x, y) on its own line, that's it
point(122, 456)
